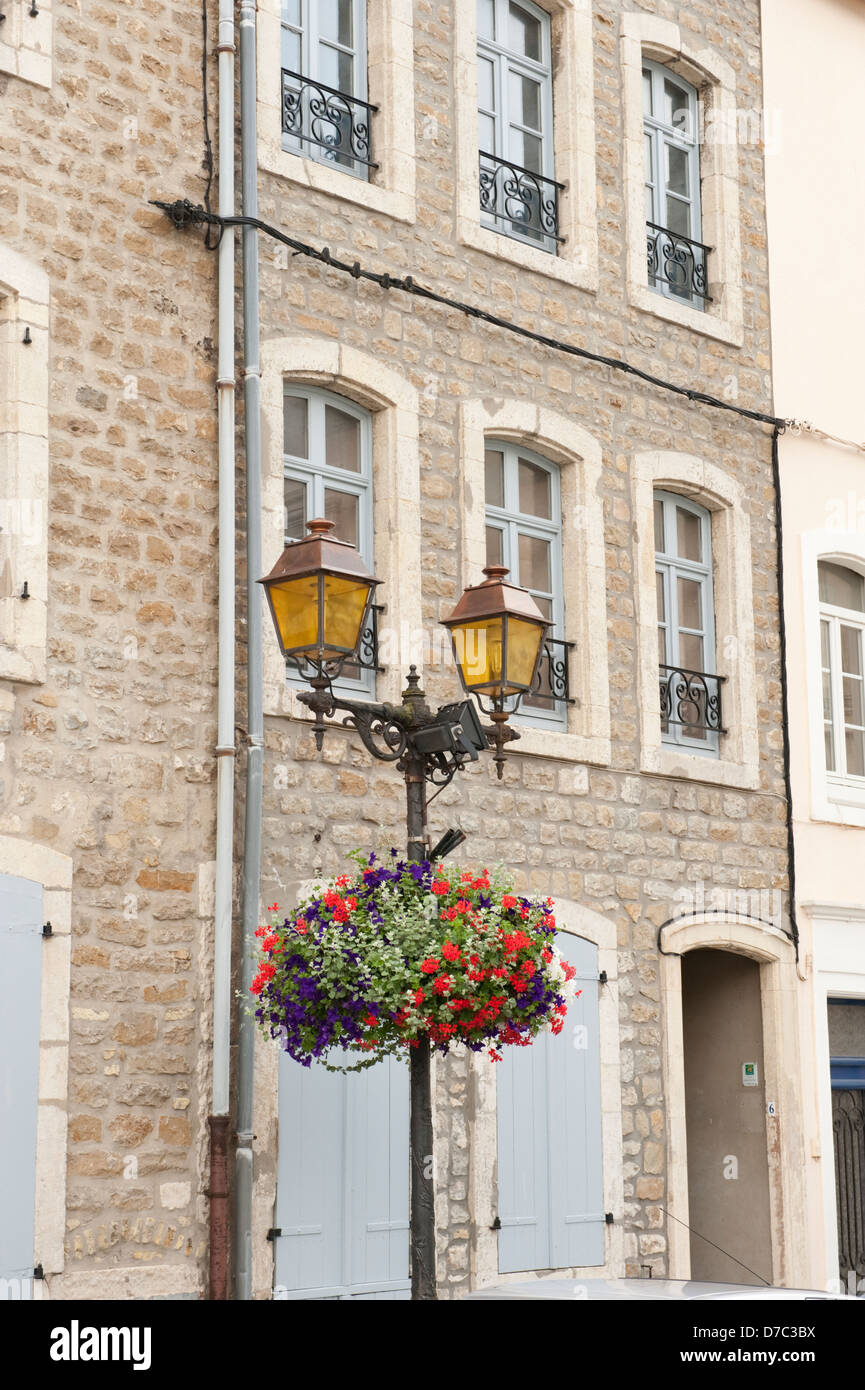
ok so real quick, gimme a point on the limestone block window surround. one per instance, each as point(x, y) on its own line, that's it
point(558, 440)
point(23, 467)
point(26, 40)
point(737, 762)
point(29, 860)
point(833, 567)
point(650, 40)
point(382, 73)
point(571, 152)
point(392, 405)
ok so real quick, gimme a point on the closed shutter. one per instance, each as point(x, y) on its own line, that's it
point(550, 1171)
point(342, 1202)
point(21, 948)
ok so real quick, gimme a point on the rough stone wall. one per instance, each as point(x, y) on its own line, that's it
point(110, 761)
point(619, 841)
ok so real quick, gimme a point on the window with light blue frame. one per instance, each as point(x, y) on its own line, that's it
point(325, 112)
point(328, 473)
point(677, 258)
point(689, 687)
point(518, 191)
point(524, 533)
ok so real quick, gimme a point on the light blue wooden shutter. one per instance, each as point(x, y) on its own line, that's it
point(550, 1173)
point(342, 1182)
point(21, 947)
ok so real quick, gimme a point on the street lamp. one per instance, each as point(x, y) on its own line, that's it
point(319, 593)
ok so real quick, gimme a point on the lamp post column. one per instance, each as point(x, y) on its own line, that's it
point(423, 1230)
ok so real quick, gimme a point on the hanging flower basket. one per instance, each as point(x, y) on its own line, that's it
point(395, 953)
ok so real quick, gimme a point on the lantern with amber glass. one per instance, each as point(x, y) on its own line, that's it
point(498, 635)
point(319, 592)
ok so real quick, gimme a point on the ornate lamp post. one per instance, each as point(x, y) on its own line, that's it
point(319, 594)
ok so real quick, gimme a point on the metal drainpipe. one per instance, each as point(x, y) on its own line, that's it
point(255, 754)
point(219, 1180)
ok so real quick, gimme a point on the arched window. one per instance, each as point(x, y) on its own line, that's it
point(515, 121)
point(328, 472)
point(842, 620)
point(524, 532)
point(676, 255)
point(690, 703)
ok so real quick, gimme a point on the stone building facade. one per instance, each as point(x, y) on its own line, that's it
point(653, 849)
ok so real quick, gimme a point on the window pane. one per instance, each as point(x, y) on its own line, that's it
point(335, 20)
point(486, 134)
point(342, 439)
point(546, 607)
point(840, 586)
point(495, 546)
point(851, 651)
point(535, 492)
point(690, 599)
point(691, 651)
point(525, 101)
point(486, 86)
point(662, 647)
point(689, 535)
point(853, 701)
point(494, 477)
point(291, 11)
point(486, 19)
point(659, 526)
point(677, 108)
point(827, 696)
point(335, 69)
point(677, 171)
point(342, 508)
point(855, 747)
point(524, 33)
point(830, 751)
point(295, 509)
point(678, 217)
point(659, 586)
point(824, 644)
point(294, 414)
point(535, 571)
point(648, 147)
point(291, 50)
point(647, 92)
point(526, 150)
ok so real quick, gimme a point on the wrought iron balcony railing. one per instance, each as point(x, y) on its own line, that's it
point(333, 121)
point(552, 683)
point(677, 262)
point(691, 700)
point(527, 202)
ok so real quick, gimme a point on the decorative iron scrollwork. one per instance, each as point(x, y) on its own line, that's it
point(691, 700)
point(553, 679)
point(327, 118)
point(528, 202)
point(381, 734)
point(677, 262)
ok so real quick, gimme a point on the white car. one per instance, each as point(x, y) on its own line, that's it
point(592, 1289)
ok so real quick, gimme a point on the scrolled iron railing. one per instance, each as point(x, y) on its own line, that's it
point(691, 700)
point(527, 201)
point(316, 114)
point(677, 262)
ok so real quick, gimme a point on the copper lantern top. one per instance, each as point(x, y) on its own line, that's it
point(317, 552)
point(496, 597)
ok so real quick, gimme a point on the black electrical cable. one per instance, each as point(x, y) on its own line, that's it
point(785, 706)
point(700, 1236)
point(208, 144)
point(183, 214)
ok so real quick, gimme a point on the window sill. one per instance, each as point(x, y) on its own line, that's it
point(578, 270)
point(309, 173)
point(697, 767)
point(698, 320)
point(847, 812)
point(571, 748)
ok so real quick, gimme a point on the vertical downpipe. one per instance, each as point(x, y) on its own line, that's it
point(243, 1168)
point(219, 1195)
